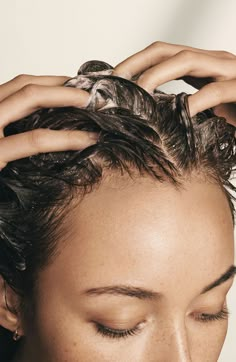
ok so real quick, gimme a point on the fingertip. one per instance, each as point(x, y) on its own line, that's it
point(2, 165)
point(84, 139)
point(93, 136)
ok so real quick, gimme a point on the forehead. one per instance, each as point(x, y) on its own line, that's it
point(149, 232)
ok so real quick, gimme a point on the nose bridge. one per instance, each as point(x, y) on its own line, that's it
point(179, 342)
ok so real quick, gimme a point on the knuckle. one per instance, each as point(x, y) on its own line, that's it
point(30, 90)
point(187, 55)
point(157, 44)
point(23, 78)
point(37, 138)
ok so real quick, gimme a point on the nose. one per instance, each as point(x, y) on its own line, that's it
point(179, 346)
point(173, 344)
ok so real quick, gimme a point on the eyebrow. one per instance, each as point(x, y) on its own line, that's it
point(230, 272)
point(127, 290)
point(147, 294)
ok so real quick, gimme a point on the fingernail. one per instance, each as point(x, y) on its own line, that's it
point(93, 136)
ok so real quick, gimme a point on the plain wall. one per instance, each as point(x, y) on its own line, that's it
point(57, 36)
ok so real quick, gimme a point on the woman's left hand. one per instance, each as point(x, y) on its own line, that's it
point(212, 72)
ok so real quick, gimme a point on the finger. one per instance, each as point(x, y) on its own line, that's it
point(32, 97)
point(43, 140)
point(212, 95)
point(155, 54)
point(22, 80)
point(187, 63)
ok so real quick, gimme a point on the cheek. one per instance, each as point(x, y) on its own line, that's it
point(207, 340)
point(59, 334)
point(62, 336)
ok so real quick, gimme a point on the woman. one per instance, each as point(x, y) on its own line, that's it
point(123, 251)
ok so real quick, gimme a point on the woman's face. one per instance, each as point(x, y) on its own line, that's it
point(135, 279)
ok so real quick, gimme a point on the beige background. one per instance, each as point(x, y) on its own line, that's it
point(57, 36)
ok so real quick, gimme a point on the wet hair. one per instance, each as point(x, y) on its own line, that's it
point(139, 134)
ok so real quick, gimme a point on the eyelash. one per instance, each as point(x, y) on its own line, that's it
point(123, 333)
point(223, 314)
point(116, 333)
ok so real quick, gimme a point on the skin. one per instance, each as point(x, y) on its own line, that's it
point(144, 234)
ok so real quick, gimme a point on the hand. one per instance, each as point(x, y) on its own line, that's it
point(25, 94)
point(212, 72)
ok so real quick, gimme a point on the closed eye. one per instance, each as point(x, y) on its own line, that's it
point(205, 317)
point(124, 333)
point(116, 333)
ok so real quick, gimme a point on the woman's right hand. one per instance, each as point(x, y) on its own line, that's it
point(24, 95)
